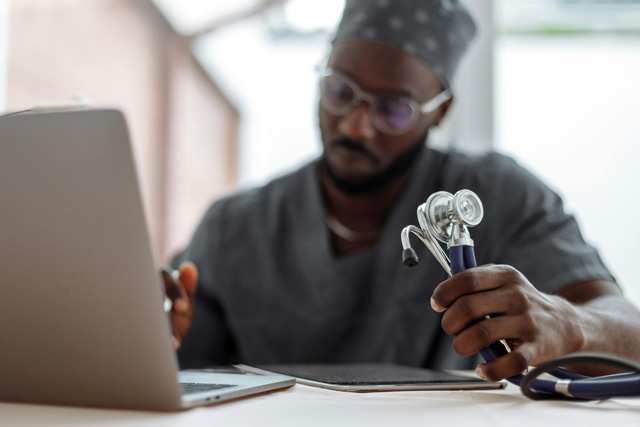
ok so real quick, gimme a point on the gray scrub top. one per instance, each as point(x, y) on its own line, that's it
point(272, 291)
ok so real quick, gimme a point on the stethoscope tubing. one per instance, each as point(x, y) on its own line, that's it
point(589, 388)
point(573, 386)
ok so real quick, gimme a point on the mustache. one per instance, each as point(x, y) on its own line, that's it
point(356, 146)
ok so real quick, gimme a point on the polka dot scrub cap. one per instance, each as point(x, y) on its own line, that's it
point(437, 32)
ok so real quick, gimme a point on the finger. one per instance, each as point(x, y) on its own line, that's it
point(175, 291)
point(507, 366)
point(171, 285)
point(484, 333)
point(189, 278)
point(471, 281)
point(470, 308)
point(176, 342)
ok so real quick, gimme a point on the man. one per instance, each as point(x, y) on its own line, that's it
point(308, 267)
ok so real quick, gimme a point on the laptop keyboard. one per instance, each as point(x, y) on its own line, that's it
point(188, 388)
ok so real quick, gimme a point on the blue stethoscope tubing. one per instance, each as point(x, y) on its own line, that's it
point(574, 386)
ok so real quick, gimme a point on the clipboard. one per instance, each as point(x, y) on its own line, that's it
point(373, 377)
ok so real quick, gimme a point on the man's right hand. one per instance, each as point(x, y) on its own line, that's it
point(180, 287)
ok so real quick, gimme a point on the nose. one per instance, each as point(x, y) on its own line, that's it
point(357, 124)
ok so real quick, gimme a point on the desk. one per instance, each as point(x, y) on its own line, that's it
point(309, 406)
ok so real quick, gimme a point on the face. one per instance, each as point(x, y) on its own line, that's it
point(355, 151)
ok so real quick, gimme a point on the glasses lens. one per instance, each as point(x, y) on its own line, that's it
point(337, 95)
point(394, 113)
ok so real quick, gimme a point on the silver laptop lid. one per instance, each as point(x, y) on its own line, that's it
point(79, 313)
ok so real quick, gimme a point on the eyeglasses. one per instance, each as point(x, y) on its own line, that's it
point(390, 114)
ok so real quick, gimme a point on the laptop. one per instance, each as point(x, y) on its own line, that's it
point(82, 320)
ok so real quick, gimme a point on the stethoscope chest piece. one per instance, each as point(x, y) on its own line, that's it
point(443, 210)
point(444, 217)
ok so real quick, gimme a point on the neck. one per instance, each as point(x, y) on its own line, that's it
point(356, 221)
point(374, 205)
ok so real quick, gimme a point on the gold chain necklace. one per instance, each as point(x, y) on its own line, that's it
point(344, 232)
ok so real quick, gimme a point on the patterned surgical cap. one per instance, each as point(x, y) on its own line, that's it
point(437, 32)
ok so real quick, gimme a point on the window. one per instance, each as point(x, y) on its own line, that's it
point(266, 66)
point(567, 101)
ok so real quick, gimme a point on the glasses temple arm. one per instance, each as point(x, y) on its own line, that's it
point(433, 104)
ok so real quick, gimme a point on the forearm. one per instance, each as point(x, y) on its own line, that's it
point(610, 324)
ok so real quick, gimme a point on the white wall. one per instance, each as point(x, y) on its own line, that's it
point(5, 7)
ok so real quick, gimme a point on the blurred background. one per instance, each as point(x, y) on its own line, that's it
point(221, 95)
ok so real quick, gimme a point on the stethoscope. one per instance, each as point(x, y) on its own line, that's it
point(447, 218)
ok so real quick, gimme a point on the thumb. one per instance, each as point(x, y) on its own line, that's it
point(189, 277)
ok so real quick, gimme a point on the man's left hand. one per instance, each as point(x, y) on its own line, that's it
point(537, 326)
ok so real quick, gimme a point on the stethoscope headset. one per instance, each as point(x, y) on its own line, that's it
point(446, 218)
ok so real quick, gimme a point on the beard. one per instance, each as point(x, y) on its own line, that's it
point(400, 166)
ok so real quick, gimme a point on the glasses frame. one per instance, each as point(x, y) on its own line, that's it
point(360, 95)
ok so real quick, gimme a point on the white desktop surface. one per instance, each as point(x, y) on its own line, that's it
point(310, 406)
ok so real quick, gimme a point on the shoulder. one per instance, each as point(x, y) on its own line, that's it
point(513, 198)
point(244, 215)
point(258, 207)
point(493, 176)
point(487, 164)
